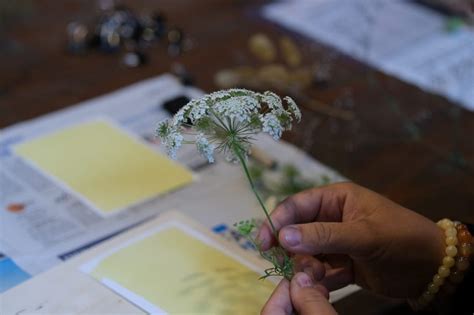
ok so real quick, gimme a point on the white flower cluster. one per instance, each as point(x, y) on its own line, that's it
point(272, 126)
point(205, 148)
point(173, 139)
point(226, 121)
point(238, 108)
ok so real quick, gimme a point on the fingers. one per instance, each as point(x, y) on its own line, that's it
point(309, 265)
point(339, 272)
point(352, 238)
point(338, 278)
point(332, 276)
point(265, 238)
point(279, 302)
point(309, 298)
point(323, 204)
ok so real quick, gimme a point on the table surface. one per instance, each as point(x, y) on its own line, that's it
point(431, 173)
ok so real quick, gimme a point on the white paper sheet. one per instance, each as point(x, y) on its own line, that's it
point(399, 37)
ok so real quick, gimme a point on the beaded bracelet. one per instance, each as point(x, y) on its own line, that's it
point(444, 270)
point(465, 250)
point(459, 248)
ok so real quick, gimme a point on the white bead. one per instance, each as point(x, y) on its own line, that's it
point(448, 261)
point(443, 272)
point(451, 232)
point(445, 223)
point(452, 240)
point(451, 250)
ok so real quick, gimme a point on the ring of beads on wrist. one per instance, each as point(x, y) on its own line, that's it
point(459, 248)
point(465, 251)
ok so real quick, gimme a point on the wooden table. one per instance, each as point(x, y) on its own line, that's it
point(414, 147)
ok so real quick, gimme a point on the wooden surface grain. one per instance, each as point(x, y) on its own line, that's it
point(414, 147)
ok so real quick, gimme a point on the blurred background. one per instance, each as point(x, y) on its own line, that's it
point(386, 87)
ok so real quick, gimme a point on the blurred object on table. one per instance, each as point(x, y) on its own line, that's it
point(182, 73)
point(280, 67)
point(120, 29)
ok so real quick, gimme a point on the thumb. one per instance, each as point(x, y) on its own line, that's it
point(327, 238)
point(308, 298)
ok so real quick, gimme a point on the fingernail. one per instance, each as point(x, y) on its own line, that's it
point(303, 280)
point(292, 236)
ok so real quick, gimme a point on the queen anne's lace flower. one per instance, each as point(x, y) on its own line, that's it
point(226, 121)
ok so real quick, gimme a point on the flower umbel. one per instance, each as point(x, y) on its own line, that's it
point(227, 121)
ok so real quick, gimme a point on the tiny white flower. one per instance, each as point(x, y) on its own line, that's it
point(205, 148)
point(271, 125)
point(238, 108)
point(293, 108)
point(179, 116)
point(171, 137)
point(274, 102)
point(197, 110)
point(172, 143)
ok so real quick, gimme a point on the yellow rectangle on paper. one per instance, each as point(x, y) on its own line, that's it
point(103, 165)
point(181, 274)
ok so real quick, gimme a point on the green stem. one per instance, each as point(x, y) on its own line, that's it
point(238, 152)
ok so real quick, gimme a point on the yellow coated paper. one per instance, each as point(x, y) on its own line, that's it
point(103, 165)
point(183, 275)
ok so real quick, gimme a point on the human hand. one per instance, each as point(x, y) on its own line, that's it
point(301, 295)
point(361, 236)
